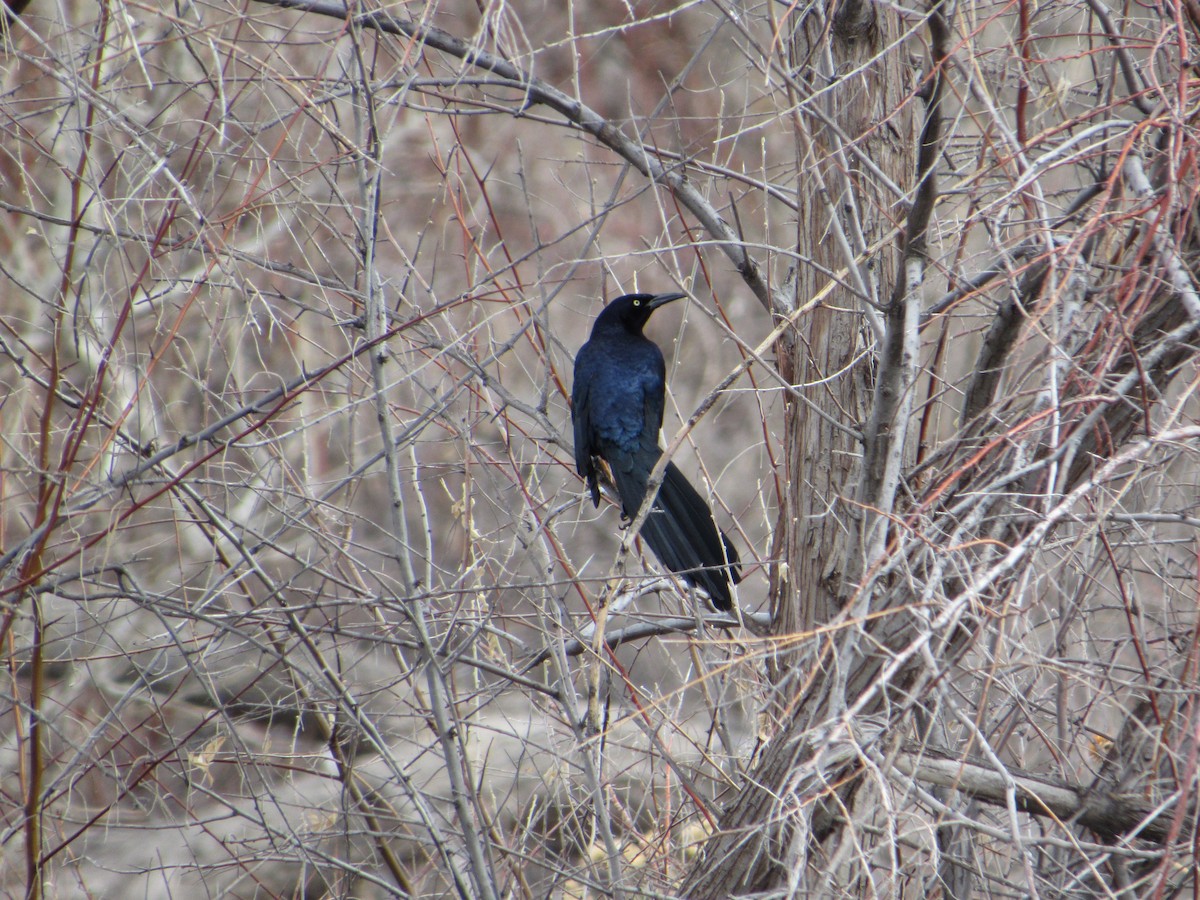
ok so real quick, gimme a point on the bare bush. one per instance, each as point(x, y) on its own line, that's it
point(301, 596)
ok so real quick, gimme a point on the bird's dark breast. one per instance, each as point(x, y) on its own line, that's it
point(617, 401)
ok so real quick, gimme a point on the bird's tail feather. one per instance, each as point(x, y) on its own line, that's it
point(680, 528)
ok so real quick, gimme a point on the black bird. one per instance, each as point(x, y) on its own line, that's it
point(617, 406)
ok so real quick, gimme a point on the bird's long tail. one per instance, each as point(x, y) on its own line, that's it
point(680, 528)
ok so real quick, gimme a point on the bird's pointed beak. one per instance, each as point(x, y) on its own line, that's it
point(663, 300)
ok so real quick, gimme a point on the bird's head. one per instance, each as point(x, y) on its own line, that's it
point(632, 311)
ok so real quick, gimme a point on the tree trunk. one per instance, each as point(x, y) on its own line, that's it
point(850, 85)
point(843, 206)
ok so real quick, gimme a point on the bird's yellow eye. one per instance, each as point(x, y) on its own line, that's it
point(637, 302)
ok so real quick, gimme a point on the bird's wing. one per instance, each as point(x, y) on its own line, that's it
point(581, 418)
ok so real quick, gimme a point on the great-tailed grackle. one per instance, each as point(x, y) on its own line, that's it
point(617, 406)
